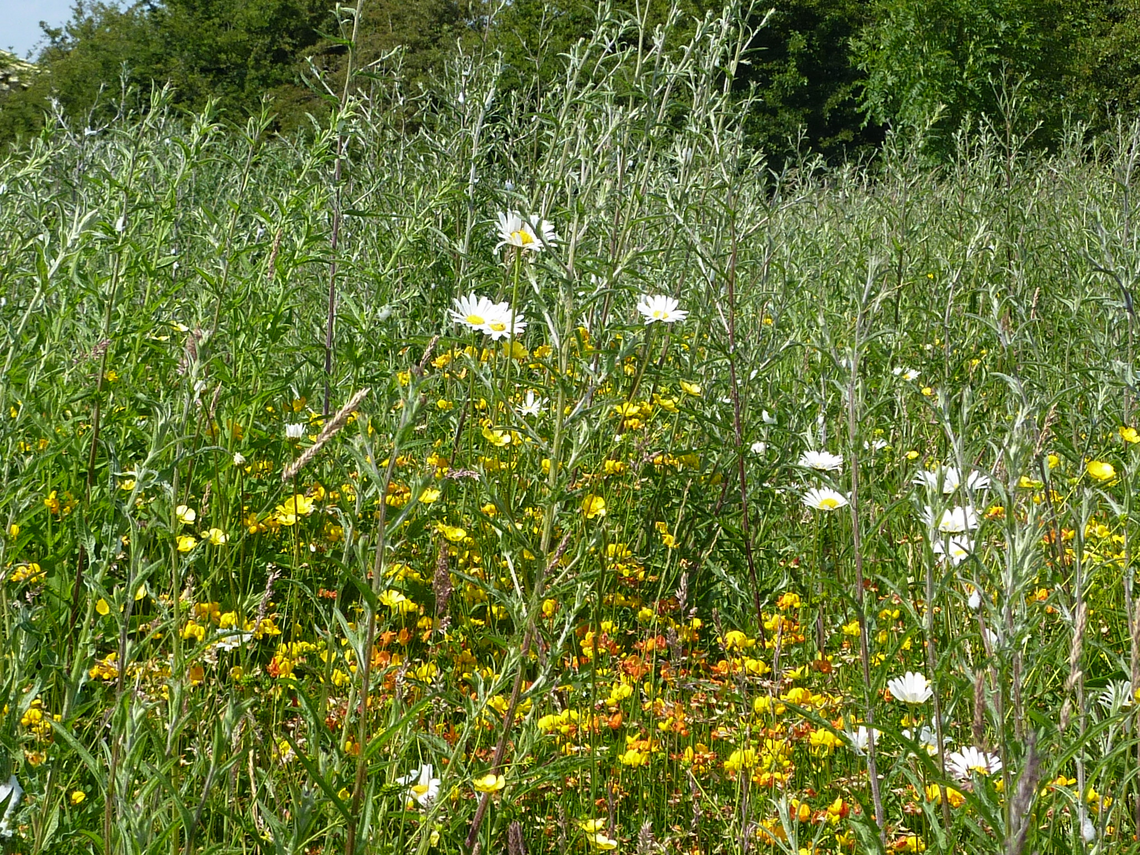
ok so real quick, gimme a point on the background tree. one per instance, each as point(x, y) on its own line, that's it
point(802, 68)
point(83, 65)
point(931, 63)
point(238, 52)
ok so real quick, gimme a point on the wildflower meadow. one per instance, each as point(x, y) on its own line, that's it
point(553, 476)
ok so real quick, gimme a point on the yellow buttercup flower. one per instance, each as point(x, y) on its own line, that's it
point(397, 602)
point(593, 506)
point(1099, 470)
point(1129, 435)
point(451, 532)
point(490, 783)
point(497, 438)
point(214, 536)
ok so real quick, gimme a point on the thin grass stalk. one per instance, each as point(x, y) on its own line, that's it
point(1074, 682)
point(406, 414)
point(932, 669)
point(334, 237)
point(369, 634)
point(857, 552)
point(737, 424)
point(470, 843)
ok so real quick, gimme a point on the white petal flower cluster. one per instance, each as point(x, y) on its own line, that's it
point(970, 761)
point(926, 738)
point(496, 320)
point(956, 520)
point(524, 235)
point(911, 688)
point(860, 738)
point(957, 549)
point(10, 795)
point(947, 480)
point(423, 789)
point(821, 461)
point(823, 498)
point(661, 309)
point(531, 406)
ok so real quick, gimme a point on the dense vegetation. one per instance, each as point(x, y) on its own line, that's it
point(542, 471)
point(826, 76)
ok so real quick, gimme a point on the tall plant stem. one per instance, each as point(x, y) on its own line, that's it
point(932, 669)
point(737, 424)
point(860, 608)
point(370, 624)
point(551, 560)
point(334, 238)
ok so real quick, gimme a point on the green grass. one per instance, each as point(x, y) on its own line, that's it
point(438, 585)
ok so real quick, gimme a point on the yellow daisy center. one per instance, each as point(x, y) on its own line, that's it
point(522, 238)
point(498, 326)
point(475, 320)
point(829, 503)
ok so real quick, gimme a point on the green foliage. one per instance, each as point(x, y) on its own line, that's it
point(235, 54)
point(433, 581)
point(86, 68)
point(1105, 40)
point(806, 82)
point(930, 65)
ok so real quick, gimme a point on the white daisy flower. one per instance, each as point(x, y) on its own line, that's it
point(549, 235)
point(911, 688)
point(425, 788)
point(972, 760)
point(531, 406)
point(759, 447)
point(517, 232)
point(294, 431)
point(957, 549)
point(947, 479)
point(228, 641)
point(956, 520)
point(860, 738)
point(472, 311)
point(824, 499)
point(926, 738)
point(659, 308)
point(821, 461)
point(11, 793)
point(905, 373)
point(503, 323)
point(490, 318)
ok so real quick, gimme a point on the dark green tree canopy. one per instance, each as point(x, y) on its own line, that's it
point(828, 76)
